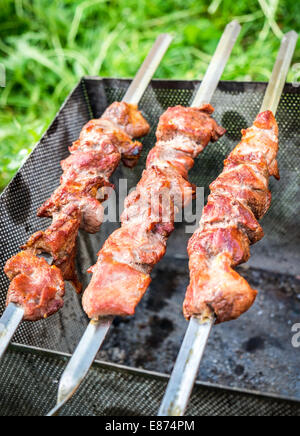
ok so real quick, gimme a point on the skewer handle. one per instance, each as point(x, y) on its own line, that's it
point(280, 71)
point(147, 70)
point(186, 368)
point(81, 360)
point(217, 64)
point(9, 322)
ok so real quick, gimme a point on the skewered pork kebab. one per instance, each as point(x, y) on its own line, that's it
point(122, 273)
point(37, 288)
point(239, 198)
point(103, 143)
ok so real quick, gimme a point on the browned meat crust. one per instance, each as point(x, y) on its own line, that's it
point(36, 286)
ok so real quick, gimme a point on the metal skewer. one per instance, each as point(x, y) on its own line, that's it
point(217, 64)
point(147, 70)
point(96, 331)
point(188, 361)
point(280, 72)
point(13, 314)
point(9, 323)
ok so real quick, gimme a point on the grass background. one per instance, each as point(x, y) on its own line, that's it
point(46, 46)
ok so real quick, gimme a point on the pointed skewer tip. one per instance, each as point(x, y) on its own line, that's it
point(167, 36)
point(292, 34)
point(234, 23)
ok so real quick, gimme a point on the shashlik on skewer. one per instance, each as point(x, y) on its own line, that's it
point(103, 143)
point(37, 289)
point(239, 198)
point(122, 273)
point(182, 134)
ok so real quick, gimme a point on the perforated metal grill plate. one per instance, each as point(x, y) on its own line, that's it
point(254, 352)
point(115, 391)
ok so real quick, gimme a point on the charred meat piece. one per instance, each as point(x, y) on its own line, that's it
point(128, 118)
point(122, 273)
point(76, 203)
point(35, 286)
point(229, 225)
point(191, 123)
point(110, 279)
point(59, 240)
point(94, 158)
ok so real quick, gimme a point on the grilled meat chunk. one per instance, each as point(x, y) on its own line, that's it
point(121, 275)
point(128, 118)
point(35, 286)
point(110, 279)
point(59, 240)
point(229, 225)
point(94, 158)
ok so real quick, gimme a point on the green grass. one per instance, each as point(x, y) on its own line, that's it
point(46, 46)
